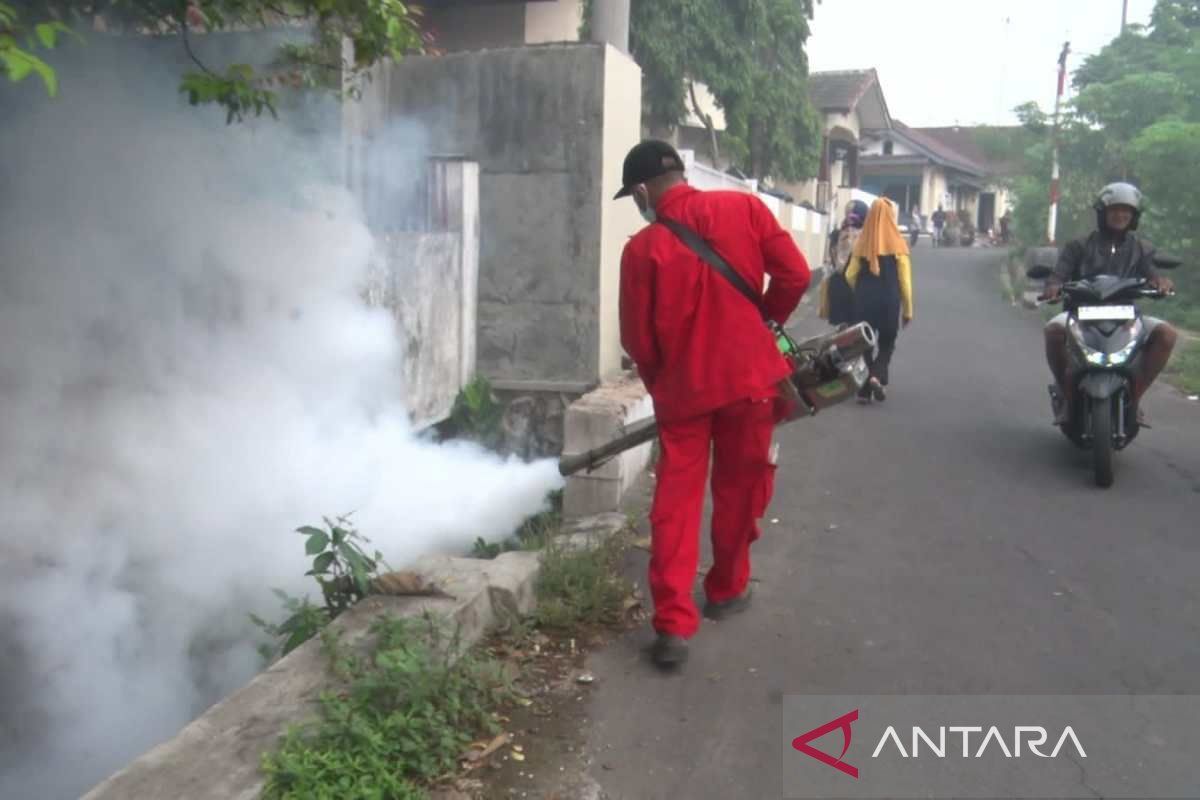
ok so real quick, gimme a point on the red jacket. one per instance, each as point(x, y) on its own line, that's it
point(697, 342)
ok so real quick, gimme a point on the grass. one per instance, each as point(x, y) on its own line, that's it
point(581, 587)
point(1184, 368)
point(400, 711)
point(399, 719)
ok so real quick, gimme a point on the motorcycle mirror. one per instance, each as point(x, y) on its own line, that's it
point(1039, 272)
point(1167, 262)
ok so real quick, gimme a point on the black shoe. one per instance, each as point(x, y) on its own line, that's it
point(864, 394)
point(728, 608)
point(876, 389)
point(668, 651)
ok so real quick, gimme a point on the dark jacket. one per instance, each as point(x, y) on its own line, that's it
point(1101, 254)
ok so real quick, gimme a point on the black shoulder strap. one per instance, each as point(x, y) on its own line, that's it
point(701, 248)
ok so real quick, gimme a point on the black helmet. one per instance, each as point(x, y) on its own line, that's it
point(857, 210)
point(1119, 194)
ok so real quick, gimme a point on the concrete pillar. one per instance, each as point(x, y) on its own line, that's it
point(610, 23)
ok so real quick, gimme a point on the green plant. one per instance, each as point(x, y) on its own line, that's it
point(580, 586)
point(533, 533)
point(20, 62)
point(376, 30)
point(343, 571)
point(477, 413)
point(1184, 367)
point(401, 718)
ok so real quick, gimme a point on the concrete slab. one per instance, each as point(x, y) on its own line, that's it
point(216, 757)
point(596, 419)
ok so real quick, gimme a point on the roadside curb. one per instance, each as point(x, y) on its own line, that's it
point(217, 755)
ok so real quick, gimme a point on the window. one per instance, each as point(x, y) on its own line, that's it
point(887, 147)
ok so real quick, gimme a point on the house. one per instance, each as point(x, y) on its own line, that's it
point(849, 102)
point(925, 168)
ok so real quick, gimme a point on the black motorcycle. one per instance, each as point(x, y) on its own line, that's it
point(1105, 335)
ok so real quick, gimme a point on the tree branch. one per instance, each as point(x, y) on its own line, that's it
point(187, 45)
point(708, 123)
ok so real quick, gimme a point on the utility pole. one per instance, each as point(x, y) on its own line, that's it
point(1052, 222)
point(1124, 14)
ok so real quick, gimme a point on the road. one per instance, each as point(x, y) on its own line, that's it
point(947, 541)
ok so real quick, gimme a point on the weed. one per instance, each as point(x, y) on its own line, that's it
point(477, 414)
point(1184, 367)
point(580, 586)
point(401, 719)
point(343, 571)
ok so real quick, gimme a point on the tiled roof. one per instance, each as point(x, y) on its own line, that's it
point(939, 150)
point(965, 141)
point(841, 90)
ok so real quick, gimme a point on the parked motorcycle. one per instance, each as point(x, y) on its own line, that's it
point(1105, 335)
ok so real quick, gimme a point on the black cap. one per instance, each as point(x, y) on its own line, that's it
point(647, 161)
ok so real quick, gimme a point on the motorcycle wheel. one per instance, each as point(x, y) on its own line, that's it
point(1102, 445)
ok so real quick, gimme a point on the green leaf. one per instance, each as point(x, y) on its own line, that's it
point(316, 543)
point(47, 33)
point(322, 563)
point(309, 530)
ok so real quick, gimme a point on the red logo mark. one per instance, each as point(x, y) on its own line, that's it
point(843, 722)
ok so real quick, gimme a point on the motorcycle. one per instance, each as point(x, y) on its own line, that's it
point(1105, 337)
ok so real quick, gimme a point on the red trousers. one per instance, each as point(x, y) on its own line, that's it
point(739, 436)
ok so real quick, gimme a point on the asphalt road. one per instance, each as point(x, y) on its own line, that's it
point(948, 541)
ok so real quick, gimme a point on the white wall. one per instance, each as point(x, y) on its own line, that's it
point(622, 127)
point(556, 21)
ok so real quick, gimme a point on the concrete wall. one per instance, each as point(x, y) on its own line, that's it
point(429, 281)
point(549, 127)
point(618, 220)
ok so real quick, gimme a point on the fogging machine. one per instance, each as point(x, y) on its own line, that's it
point(826, 370)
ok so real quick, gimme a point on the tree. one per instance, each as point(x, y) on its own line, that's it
point(19, 63)
point(1136, 117)
point(750, 54)
point(375, 29)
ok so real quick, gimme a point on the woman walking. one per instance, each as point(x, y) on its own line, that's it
point(880, 274)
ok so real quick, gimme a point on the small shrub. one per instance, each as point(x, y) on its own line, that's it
point(402, 718)
point(343, 571)
point(477, 414)
point(580, 587)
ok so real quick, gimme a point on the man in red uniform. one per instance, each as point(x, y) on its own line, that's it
point(711, 366)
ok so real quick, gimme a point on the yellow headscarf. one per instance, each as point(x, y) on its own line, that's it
point(880, 236)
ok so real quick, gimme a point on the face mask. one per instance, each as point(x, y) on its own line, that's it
point(646, 211)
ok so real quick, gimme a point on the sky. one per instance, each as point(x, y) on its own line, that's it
point(964, 62)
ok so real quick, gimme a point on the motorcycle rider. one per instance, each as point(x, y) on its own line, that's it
point(1114, 248)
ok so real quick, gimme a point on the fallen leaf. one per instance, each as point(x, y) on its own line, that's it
point(519, 748)
point(407, 583)
point(586, 677)
point(523, 701)
point(517, 755)
point(475, 757)
point(642, 543)
point(774, 520)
